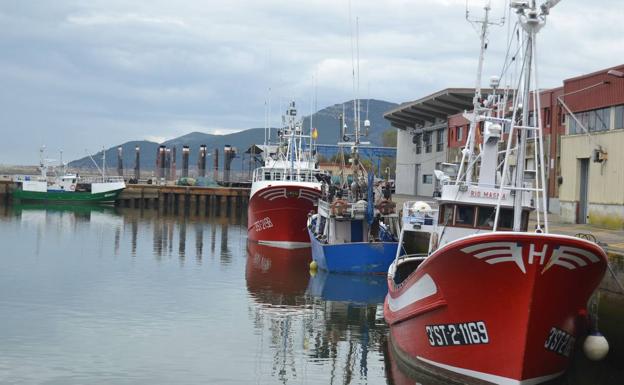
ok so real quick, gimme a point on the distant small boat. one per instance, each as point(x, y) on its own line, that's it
point(71, 188)
point(68, 188)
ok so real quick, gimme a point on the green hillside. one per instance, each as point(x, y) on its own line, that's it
point(325, 120)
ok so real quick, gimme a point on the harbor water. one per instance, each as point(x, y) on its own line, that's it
point(128, 296)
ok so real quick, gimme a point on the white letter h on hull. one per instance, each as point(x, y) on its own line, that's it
point(541, 254)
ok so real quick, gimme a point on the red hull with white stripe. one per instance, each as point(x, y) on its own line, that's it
point(278, 214)
point(499, 307)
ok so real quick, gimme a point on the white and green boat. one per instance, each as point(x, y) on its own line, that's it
point(68, 188)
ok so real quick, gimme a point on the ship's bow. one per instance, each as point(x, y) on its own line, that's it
point(498, 307)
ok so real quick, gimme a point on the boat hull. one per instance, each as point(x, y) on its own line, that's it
point(501, 307)
point(277, 215)
point(105, 197)
point(354, 257)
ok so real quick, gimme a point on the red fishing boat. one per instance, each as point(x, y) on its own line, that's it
point(285, 189)
point(473, 294)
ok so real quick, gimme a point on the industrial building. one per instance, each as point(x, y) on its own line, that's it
point(422, 137)
point(592, 163)
point(583, 127)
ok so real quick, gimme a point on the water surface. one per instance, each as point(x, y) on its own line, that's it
point(111, 296)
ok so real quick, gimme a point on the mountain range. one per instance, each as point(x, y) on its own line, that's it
point(325, 120)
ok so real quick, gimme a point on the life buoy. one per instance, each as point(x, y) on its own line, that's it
point(72, 187)
point(386, 207)
point(339, 207)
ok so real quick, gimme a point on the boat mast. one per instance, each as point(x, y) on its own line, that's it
point(468, 155)
point(42, 164)
point(532, 21)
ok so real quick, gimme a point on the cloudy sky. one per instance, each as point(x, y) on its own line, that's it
point(79, 75)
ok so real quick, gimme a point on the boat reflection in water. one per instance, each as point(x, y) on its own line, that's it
point(62, 220)
point(306, 324)
point(358, 289)
point(277, 276)
point(398, 372)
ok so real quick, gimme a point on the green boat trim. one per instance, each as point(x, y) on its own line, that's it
point(106, 197)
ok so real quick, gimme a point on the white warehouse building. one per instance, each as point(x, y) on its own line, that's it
point(422, 137)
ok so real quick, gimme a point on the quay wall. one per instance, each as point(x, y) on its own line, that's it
point(169, 197)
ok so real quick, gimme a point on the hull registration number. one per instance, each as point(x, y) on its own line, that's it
point(560, 342)
point(466, 333)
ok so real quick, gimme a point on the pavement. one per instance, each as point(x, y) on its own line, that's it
point(612, 240)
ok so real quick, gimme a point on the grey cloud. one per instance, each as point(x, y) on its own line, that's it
point(79, 75)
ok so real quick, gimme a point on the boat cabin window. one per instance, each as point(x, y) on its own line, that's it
point(267, 175)
point(485, 217)
point(505, 219)
point(464, 216)
point(446, 214)
point(277, 176)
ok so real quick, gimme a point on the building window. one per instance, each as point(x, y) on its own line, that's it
point(573, 127)
point(428, 142)
point(546, 121)
point(531, 123)
point(593, 121)
point(459, 133)
point(439, 140)
point(418, 141)
point(427, 179)
point(619, 117)
point(603, 119)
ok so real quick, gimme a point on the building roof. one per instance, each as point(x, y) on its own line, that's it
point(437, 106)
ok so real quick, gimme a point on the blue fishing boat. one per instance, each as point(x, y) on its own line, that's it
point(356, 227)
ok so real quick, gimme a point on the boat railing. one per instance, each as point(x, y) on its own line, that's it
point(285, 174)
point(343, 208)
point(99, 179)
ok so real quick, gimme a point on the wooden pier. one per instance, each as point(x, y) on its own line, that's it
point(200, 200)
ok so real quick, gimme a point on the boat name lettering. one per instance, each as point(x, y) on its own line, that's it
point(262, 224)
point(466, 333)
point(560, 342)
point(486, 194)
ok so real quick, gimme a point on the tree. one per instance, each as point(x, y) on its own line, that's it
point(389, 138)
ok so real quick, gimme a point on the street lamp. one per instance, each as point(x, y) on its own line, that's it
point(616, 73)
